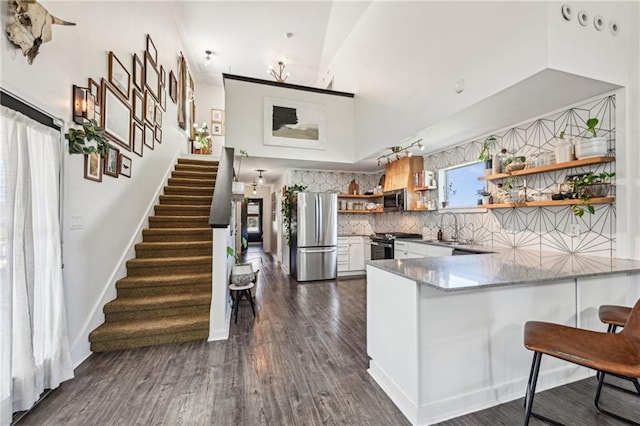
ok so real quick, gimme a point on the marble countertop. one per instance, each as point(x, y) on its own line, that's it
point(503, 267)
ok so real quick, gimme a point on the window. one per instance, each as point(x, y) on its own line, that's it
point(459, 184)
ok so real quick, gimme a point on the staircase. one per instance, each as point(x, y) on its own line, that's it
point(166, 295)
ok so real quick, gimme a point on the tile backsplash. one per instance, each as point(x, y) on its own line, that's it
point(533, 228)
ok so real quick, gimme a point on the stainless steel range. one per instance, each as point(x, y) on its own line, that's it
point(382, 244)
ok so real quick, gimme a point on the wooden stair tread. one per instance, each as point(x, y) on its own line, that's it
point(146, 327)
point(161, 218)
point(172, 245)
point(157, 302)
point(169, 231)
point(208, 163)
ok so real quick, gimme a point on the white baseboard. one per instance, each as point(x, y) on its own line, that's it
point(406, 405)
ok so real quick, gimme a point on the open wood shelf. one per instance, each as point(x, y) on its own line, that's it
point(424, 188)
point(551, 167)
point(568, 202)
point(361, 211)
point(359, 196)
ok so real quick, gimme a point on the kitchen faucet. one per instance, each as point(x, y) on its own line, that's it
point(454, 237)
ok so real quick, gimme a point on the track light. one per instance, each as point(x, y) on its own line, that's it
point(397, 150)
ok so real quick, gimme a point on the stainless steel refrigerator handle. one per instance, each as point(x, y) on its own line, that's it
point(320, 218)
point(317, 218)
point(321, 250)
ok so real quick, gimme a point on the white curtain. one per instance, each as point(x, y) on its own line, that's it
point(34, 348)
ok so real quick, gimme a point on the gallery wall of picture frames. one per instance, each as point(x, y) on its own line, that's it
point(129, 104)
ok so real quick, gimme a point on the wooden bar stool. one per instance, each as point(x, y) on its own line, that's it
point(616, 316)
point(610, 353)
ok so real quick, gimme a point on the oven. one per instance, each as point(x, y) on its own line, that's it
point(381, 249)
point(382, 244)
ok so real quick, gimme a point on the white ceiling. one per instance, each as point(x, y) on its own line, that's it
point(247, 37)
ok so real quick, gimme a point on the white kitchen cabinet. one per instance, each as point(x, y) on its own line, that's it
point(351, 255)
point(356, 253)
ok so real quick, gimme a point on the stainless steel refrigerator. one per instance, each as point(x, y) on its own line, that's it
point(314, 237)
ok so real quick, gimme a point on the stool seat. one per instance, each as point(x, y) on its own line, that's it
point(616, 315)
point(612, 353)
point(237, 287)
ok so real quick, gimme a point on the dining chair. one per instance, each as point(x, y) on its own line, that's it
point(607, 353)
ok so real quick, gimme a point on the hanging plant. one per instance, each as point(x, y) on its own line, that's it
point(90, 132)
point(287, 206)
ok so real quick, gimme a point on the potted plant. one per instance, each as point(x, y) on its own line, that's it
point(587, 186)
point(287, 207)
point(486, 195)
point(512, 188)
point(592, 145)
point(450, 191)
point(90, 132)
point(485, 154)
point(564, 149)
point(202, 141)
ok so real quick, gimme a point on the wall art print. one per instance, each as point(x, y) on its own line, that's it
point(295, 124)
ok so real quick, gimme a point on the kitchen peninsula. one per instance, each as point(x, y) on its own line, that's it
point(445, 334)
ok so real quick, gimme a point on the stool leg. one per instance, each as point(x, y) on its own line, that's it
point(609, 413)
point(531, 387)
point(236, 301)
point(251, 301)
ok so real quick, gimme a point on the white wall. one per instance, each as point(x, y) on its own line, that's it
point(404, 61)
point(245, 110)
point(111, 210)
point(209, 97)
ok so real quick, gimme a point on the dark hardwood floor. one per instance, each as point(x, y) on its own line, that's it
point(302, 361)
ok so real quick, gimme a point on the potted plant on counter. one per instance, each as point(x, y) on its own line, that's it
point(485, 154)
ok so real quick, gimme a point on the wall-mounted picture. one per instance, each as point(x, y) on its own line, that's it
point(173, 87)
point(149, 107)
point(294, 124)
point(182, 93)
point(112, 162)
point(94, 90)
point(149, 136)
point(163, 98)
point(125, 165)
point(151, 50)
point(151, 76)
point(138, 71)
point(119, 76)
point(216, 115)
point(216, 129)
point(116, 116)
point(158, 115)
point(138, 138)
point(138, 106)
point(158, 134)
point(163, 76)
point(93, 167)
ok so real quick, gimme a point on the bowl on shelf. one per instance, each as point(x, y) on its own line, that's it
point(371, 206)
point(594, 147)
point(597, 190)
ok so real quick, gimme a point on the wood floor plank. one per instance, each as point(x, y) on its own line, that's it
point(302, 361)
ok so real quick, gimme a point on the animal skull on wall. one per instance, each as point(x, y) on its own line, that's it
point(31, 26)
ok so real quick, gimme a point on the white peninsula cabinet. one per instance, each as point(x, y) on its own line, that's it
point(410, 250)
point(352, 255)
point(444, 334)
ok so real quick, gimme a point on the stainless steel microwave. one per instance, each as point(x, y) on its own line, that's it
point(395, 201)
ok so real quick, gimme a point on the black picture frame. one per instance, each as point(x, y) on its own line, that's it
point(125, 165)
point(111, 165)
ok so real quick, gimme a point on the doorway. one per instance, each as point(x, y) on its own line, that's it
point(254, 220)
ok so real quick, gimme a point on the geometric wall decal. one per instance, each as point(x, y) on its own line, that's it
point(531, 228)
